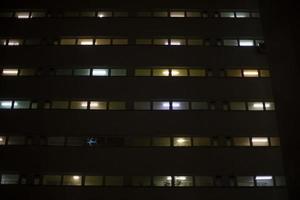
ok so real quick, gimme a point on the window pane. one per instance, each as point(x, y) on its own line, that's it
point(16, 140)
point(255, 106)
point(104, 14)
point(98, 105)
point(60, 105)
point(38, 14)
point(161, 141)
point(241, 141)
point(179, 72)
point(71, 14)
point(255, 14)
point(177, 42)
point(81, 72)
point(269, 106)
point(176, 105)
point(68, 41)
point(234, 73)
point(7, 179)
point(162, 181)
point(177, 14)
point(183, 181)
point(56, 141)
point(119, 41)
point(227, 14)
point(260, 141)
point(85, 42)
point(142, 72)
point(264, 73)
point(141, 181)
point(144, 14)
point(264, 181)
point(160, 42)
point(32, 42)
point(27, 72)
point(204, 181)
point(161, 72)
point(161, 105)
point(138, 141)
point(250, 73)
point(114, 180)
point(103, 42)
point(82, 105)
point(63, 72)
point(143, 41)
point(2, 140)
point(21, 104)
point(10, 72)
point(118, 72)
point(237, 105)
point(245, 181)
point(199, 106)
point(117, 105)
point(201, 141)
point(160, 14)
point(51, 180)
point(120, 14)
point(275, 141)
point(142, 105)
point(75, 141)
point(230, 43)
point(99, 72)
point(196, 42)
point(193, 14)
point(22, 15)
point(242, 14)
point(280, 181)
point(3, 41)
point(6, 104)
point(246, 43)
point(182, 142)
point(72, 180)
point(93, 181)
point(88, 14)
point(6, 14)
point(197, 72)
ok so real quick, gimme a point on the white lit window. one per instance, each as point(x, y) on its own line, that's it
point(176, 14)
point(182, 142)
point(7, 179)
point(104, 14)
point(72, 180)
point(177, 42)
point(100, 72)
point(161, 105)
point(2, 140)
point(179, 72)
point(250, 73)
point(180, 105)
point(264, 181)
point(6, 104)
point(98, 105)
point(260, 141)
point(161, 72)
point(242, 14)
point(82, 105)
point(256, 106)
point(85, 41)
point(10, 72)
point(14, 42)
point(183, 181)
point(246, 43)
point(22, 15)
point(227, 14)
point(269, 106)
point(162, 181)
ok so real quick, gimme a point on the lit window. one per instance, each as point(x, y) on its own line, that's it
point(269, 106)
point(117, 105)
point(255, 14)
point(161, 105)
point(9, 179)
point(104, 14)
point(103, 42)
point(245, 181)
point(255, 106)
point(141, 181)
point(72, 180)
point(241, 141)
point(82, 72)
point(21, 104)
point(161, 142)
point(259, 42)
point(193, 14)
point(177, 14)
point(260, 141)
point(38, 14)
point(201, 141)
point(56, 141)
point(51, 180)
point(142, 105)
point(250, 73)
point(265, 73)
point(197, 72)
point(142, 72)
point(160, 42)
point(67, 41)
point(160, 14)
point(10, 72)
point(27, 72)
point(60, 105)
point(179, 72)
point(88, 14)
point(143, 41)
point(237, 106)
point(2, 140)
point(82, 105)
point(119, 41)
point(93, 180)
point(227, 14)
point(176, 105)
point(182, 142)
point(233, 73)
point(199, 105)
point(177, 42)
point(161, 72)
point(100, 72)
point(85, 42)
point(195, 42)
point(6, 104)
point(242, 14)
point(98, 105)
point(3, 42)
point(280, 181)
point(230, 43)
point(22, 15)
point(118, 72)
point(275, 141)
point(204, 181)
point(114, 180)
point(162, 181)
point(264, 181)
point(75, 141)
point(246, 43)
point(14, 42)
point(183, 181)
point(16, 140)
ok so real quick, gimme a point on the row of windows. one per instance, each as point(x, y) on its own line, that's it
point(118, 141)
point(160, 72)
point(139, 105)
point(25, 14)
point(104, 41)
point(146, 181)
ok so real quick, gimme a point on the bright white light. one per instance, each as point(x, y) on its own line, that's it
point(166, 72)
point(263, 178)
point(99, 72)
point(6, 103)
point(267, 105)
point(176, 43)
point(1, 139)
point(88, 42)
point(76, 177)
point(166, 43)
point(178, 14)
point(169, 178)
point(23, 16)
point(100, 15)
point(175, 72)
point(259, 140)
point(10, 72)
point(175, 104)
point(181, 178)
point(250, 73)
point(246, 43)
point(258, 105)
point(94, 104)
point(13, 43)
point(181, 140)
point(166, 104)
point(83, 104)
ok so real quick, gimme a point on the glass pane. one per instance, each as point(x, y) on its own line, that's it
point(177, 14)
point(193, 14)
point(227, 14)
point(82, 105)
point(141, 181)
point(144, 14)
point(81, 72)
point(183, 181)
point(98, 105)
point(162, 181)
point(182, 142)
point(161, 141)
point(233, 72)
point(143, 41)
point(241, 141)
point(237, 105)
point(255, 106)
point(119, 41)
point(230, 43)
point(104, 14)
point(265, 73)
point(196, 42)
point(93, 181)
point(120, 14)
point(201, 141)
point(250, 73)
point(246, 43)
point(6, 104)
point(242, 14)
point(255, 14)
point(179, 72)
point(63, 72)
point(103, 42)
point(160, 42)
point(99, 72)
point(204, 181)
point(7, 179)
point(160, 14)
point(138, 141)
point(161, 105)
point(269, 106)
point(117, 105)
point(67, 41)
point(264, 181)
point(10, 72)
point(177, 42)
point(142, 105)
point(85, 42)
point(22, 15)
point(56, 141)
point(142, 72)
point(32, 42)
point(2, 140)
point(275, 141)
point(75, 141)
point(118, 72)
point(27, 72)
point(176, 105)
point(197, 72)
point(51, 180)
point(38, 14)
point(3, 41)
point(161, 72)
point(245, 181)
point(16, 140)
point(114, 180)
point(88, 14)
point(260, 141)
point(199, 105)
point(60, 105)
point(21, 104)
point(72, 180)
point(280, 181)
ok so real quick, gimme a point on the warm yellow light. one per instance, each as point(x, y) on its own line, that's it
point(250, 73)
point(258, 105)
point(86, 42)
point(76, 177)
point(10, 72)
point(94, 104)
point(175, 72)
point(181, 140)
point(13, 43)
point(259, 140)
point(181, 178)
point(1, 139)
point(166, 72)
point(83, 104)
point(175, 43)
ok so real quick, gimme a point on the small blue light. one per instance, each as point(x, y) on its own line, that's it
point(91, 141)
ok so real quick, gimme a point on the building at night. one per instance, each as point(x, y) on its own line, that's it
point(148, 100)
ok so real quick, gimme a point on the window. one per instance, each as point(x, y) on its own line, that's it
point(142, 105)
point(269, 106)
point(98, 105)
point(118, 72)
point(117, 105)
point(161, 142)
point(104, 14)
point(10, 72)
point(245, 181)
point(264, 73)
point(180, 105)
point(60, 105)
point(100, 72)
point(255, 106)
point(179, 72)
point(22, 15)
point(51, 180)
point(6, 104)
point(93, 181)
point(103, 42)
point(2, 140)
point(88, 14)
point(81, 105)
point(237, 106)
point(255, 14)
point(241, 141)
point(162, 181)
point(182, 142)
point(72, 180)
point(67, 41)
point(199, 105)
point(141, 181)
point(161, 105)
point(260, 141)
point(160, 14)
point(160, 42)
point(56, 141)
point(177, 42)
point(195, 42)
point(119, 41)
point(183, 181)
point(280, 181)
point(233, 73)
point(177, 14)
point(63, 72)
point(227, 14)
point(71, 14)
point(21, 104)
point(27, 72)
point(201, 141)
point(144, 14)
point(81, 72)
point(138, 141)
point(142, 72)
point(204, 181)
point(161, 72)
point(246, 43)
point(143, 41)
point(75, 141)
point(114, 180)
point(264, 181)
point(16, 140)
point(242, 14)
point(197, 72)
point(120, 14)
point(193, 14)
point(8, 179)
point(38, 14)
point(230, 43)
point(85, 41)
point(250, 73)
point(275, 141)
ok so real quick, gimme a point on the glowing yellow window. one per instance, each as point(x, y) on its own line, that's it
point(98, 105)
point(179, 72)
point(82, 105)
point(260, 141)
point(197, 72)
point(233, 73)
point(14, 42)
point(177, 42)
point(250, 73)
point(85, 42)
point(68, 41)
point(264, 73)
point(177, 14)
point(10, 72)
point(120, 41)
point(72, 180)
point(22, 15)
point(161, 72)
point(182, 142)
point(102, 42)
